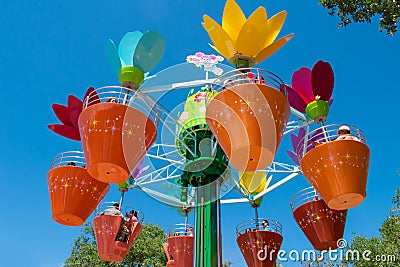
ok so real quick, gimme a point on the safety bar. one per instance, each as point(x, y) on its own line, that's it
point(325, 134)
point(69, 158)
point(304, 196)
point(248, 76)
point(258, 224)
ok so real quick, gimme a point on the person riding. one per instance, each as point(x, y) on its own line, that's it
point(126, 225)
point(113, 210)
point(265, 224)
point(123, 232)
point(344, 134)
point(132, 215)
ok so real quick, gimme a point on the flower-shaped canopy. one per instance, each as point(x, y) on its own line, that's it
point(250, 40)
point(137, 171)
point(252, 183)
point(312, 89)
point(137, 54)
point(298, 143)
point(68, 115)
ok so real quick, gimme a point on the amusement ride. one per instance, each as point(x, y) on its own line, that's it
point(189, 154)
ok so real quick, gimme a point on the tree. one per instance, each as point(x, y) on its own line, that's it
point(146, 250)
point(227, 263)
point(322, 261)
point(384, 250)
point(350, 11)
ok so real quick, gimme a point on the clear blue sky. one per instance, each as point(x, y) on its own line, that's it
point(51, 49)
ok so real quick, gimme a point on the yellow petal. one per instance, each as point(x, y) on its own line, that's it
point(269, 50)
point(219, 37)
point(253, 182)
point(219, 52)
point(233, 19)
point(275, 24)
point(251, 38)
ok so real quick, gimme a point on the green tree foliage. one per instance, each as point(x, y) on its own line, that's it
point(385, 250)
point(323, 261)
point(227, 263)
point(146, 250)
point(350, 11)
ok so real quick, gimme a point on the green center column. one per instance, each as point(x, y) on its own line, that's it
point(205, 171)
point(208, 235)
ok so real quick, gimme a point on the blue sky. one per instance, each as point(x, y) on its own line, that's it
point(54, 48)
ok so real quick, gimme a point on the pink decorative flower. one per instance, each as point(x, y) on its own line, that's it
point(199, 54)
point(310, 85)
point(184, 116)
point(209, 62)
point(200, 97)
point(218, 71)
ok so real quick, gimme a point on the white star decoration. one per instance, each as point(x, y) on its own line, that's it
point(253, 242)
point(183, 247)
point(344, 161)
point(74, 185)
point(316, 215)
point(251, 107)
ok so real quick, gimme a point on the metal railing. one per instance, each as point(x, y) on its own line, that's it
point(304, 196)
point(140, 215)
point(325, 134)
point(181, 229)
point(107, 205)
point(248, 76)
point(261, 224)
point(123, 96)
point(69, 158)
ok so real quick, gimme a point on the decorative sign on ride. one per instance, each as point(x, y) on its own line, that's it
point(223, 134)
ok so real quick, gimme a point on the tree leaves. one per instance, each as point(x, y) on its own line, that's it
point(385, 250)
point(350, 11)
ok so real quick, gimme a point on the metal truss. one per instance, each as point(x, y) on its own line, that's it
point(289, 177)
point(175, 86)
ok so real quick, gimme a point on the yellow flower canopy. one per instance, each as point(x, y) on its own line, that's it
point(254, 182)
point(252, 39)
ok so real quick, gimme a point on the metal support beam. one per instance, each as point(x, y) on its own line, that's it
point(266, 191)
